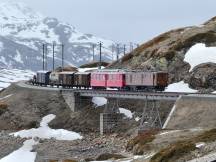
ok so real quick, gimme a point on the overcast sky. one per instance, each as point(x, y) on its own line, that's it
point(127, 20)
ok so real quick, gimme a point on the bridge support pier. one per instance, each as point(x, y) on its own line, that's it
point(110, 118)
point(72, 99)
point(151, 117)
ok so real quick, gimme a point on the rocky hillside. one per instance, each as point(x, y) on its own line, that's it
point(169, 50)
point(23, 31)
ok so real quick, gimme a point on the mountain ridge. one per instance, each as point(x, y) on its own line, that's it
point(27, 30)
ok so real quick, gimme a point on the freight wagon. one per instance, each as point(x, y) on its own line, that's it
point(146, 80)
point(82, 79)
point(103, 79)
point(42, 78)
point(66, 79)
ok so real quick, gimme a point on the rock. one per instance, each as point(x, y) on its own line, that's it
point(203, 76)
point(107, 156)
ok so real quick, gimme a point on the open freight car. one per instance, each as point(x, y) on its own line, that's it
point(42, 78)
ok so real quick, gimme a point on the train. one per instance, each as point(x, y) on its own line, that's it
point(104, 79)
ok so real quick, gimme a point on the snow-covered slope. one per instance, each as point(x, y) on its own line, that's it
point(13, 75)
point(23, 31)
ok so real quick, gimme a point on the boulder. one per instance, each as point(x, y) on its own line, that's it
point(203, 76)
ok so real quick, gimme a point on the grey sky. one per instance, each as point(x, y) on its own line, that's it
point(127, 20)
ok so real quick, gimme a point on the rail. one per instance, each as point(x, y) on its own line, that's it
point(119, 94)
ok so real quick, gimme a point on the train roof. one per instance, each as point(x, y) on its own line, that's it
point(84, 73)
point(67, 72)
point(110, 70)
point(126, 71)
point(43, 71)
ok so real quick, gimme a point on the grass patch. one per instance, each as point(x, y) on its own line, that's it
point(108, 156)
point(94, 64)
point(62, 160)
point(3, 106)
point(173, 152)
point(208, 136)
point(181, 148)
point(140, 142)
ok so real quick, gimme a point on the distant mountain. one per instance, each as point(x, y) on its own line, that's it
point(23, 31)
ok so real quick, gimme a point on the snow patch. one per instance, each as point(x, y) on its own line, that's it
point(180, 87)
point(199, 54)
point(99, 101)
point(1, 46)
point(8, 76)
point(23, 154)
point(200, 144)
point(137, 119)
point(18, 57)
point(126, 112)
point(168, 132)
point(2, 98)
point(45, 132)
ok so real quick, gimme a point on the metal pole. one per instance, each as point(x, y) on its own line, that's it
point(53, 56)
point(124, 49)
point(43, 55)
point(113, 51)
point(117, 53)
point(93, 52)
point(131, 46)
point(46, 50)
point(62, 56)
point(100, 54)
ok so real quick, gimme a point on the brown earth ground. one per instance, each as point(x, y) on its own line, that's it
point(26, 107)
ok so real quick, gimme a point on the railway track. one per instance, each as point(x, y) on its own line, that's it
point(117, 93)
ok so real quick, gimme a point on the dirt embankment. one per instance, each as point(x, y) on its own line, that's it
point(192, 112)
point(26, 107)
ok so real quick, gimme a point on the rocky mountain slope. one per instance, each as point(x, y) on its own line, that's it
point(168, 52)
point(23, 31)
